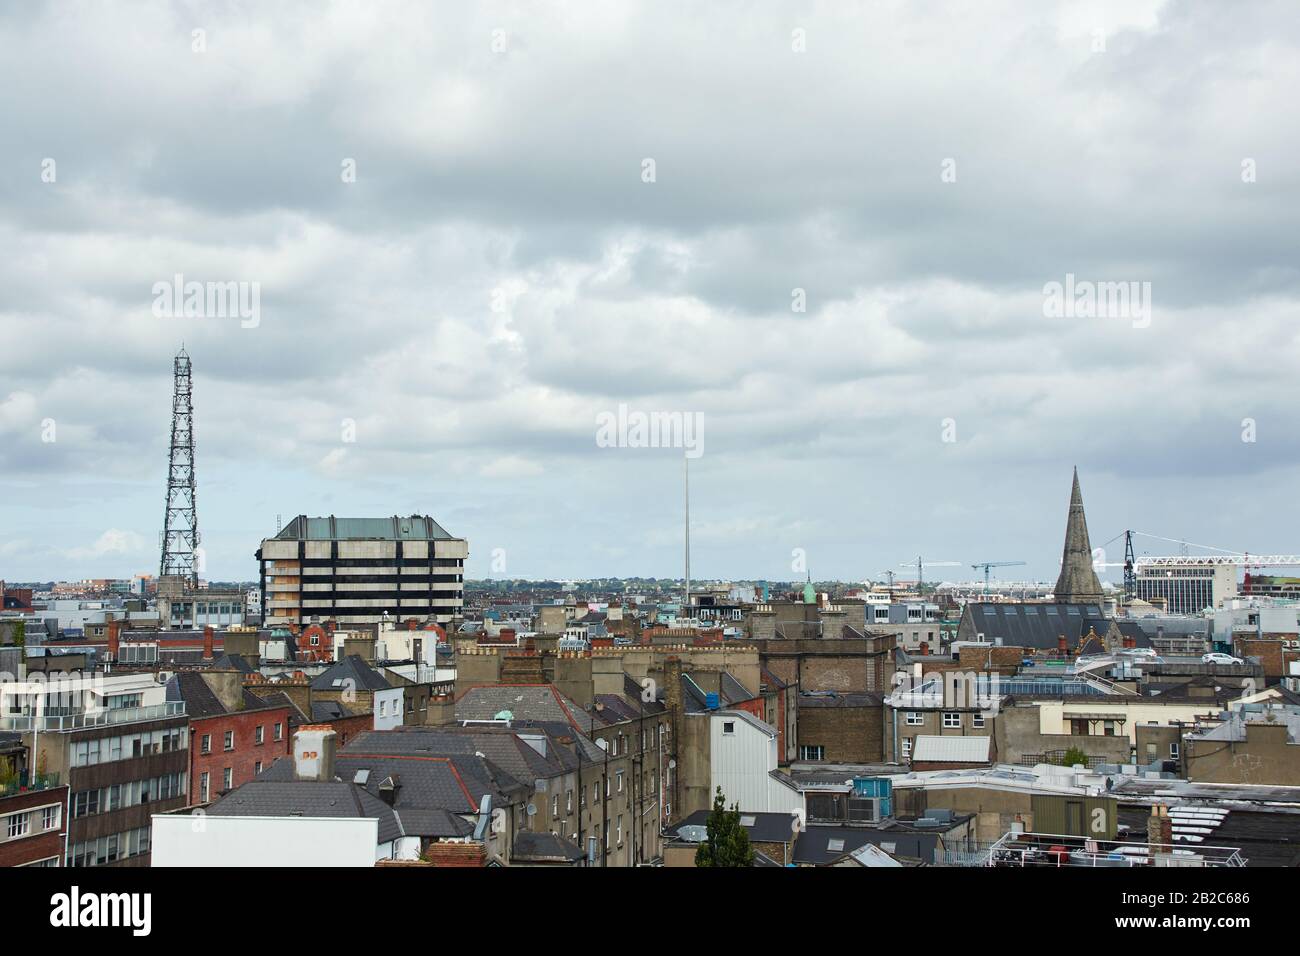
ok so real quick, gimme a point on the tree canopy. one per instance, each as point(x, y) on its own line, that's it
point(727, 843)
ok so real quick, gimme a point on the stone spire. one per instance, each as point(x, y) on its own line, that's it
point(1078, 582)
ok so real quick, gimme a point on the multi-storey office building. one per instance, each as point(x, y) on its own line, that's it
point(1189, 587)
point(361, 571)
point(118, 744)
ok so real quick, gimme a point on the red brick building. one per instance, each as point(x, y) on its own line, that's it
point(32, 825)
point(234, 734)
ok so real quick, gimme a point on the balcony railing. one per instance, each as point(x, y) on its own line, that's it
point(24, 783)
point(55, 723)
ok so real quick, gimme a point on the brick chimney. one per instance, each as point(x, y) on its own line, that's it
point(207, 643)
point(1130, 642)
point(925, 648)
point(673, 684)
point(1160, 830)
point(1062, 645)
point(412, 624)
point(114, 638)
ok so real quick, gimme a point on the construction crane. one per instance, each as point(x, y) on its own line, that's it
point(993, 564)
point(1133, 562)
point(920, 565)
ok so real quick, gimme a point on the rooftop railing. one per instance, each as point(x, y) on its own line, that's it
point(56, 723)
point(1058, 850)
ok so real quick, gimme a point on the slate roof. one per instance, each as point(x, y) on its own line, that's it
point(202, 703)
point(532, 847)
point(454, 784)
point(541, 702)
point(695, 699)
point(233, 662)
point(504, 747)
point(352, 668)
point(761, 827)
point(323, 711)
point(1038, 626)
point(818, 845)
point(1265, 838)
point(307, 798)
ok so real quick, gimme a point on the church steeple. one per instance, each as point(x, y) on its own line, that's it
point(1078, 583)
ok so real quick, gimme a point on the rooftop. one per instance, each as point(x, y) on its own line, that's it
point(414, 528)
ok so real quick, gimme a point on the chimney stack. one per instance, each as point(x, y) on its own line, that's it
point(1160, 832)
point(313, 752)
point(207, 643)
point(1061, 645)
point(114, 638)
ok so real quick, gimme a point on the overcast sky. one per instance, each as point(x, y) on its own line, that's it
point(500, 273)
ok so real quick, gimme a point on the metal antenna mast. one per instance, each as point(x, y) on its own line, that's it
point(686, 608)
point(180, 525)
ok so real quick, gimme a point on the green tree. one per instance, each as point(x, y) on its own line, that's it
point(728, 843)
point(1073, 756)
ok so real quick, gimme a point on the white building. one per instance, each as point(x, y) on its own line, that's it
point(743, 759)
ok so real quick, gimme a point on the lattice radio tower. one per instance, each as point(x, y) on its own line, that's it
point(180, 527)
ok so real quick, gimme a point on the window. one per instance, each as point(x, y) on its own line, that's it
point(204, 787)
point(618, 838)
point(230, 740)
point(568, 801)
point(809, 752)
point(907, 748)
point(951, 719)
point(259, 735)
point(977, 720)
point(1173, 751)
point(915, 718)
point(729, 727)
point(205, 745)
point(279, 731)
point(619, 777)
point(49, 818)
point(18, 824)
point(227, 778)
point(257, 768)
